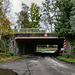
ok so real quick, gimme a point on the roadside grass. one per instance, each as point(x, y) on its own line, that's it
point(69, 60)
point(3, 59)
point(11, 59)
point(42, 50)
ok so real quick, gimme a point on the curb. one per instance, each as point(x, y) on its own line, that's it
point(65, 61)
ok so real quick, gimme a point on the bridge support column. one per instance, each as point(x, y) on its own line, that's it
point(16, 49)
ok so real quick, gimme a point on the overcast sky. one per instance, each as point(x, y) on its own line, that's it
point(16, 4)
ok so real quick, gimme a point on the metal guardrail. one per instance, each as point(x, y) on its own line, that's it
point(32, 30)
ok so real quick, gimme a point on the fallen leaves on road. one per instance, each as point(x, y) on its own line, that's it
point(11, 59)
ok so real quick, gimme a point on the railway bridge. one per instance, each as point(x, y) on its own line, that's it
point(27, 42)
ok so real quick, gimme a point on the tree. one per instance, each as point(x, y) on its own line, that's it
point(72, 17)
point(49, 11)
point(1, 0)
point(6, 6)
point(23, 17)
point(34, 16)
point(63, 26)
point(4, 23)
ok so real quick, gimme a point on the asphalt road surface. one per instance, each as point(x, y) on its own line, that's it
point(37, 65)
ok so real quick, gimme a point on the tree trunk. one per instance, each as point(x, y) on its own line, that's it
point(0, 36)
point(51, 28)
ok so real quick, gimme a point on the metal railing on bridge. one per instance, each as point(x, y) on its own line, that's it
point(32, 30)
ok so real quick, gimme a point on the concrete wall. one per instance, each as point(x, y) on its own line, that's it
point(68, 46)
point(11, 45)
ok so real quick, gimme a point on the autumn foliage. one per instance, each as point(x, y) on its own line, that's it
point(4, 24)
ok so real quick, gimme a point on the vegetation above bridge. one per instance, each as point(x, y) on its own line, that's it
point(32, 30)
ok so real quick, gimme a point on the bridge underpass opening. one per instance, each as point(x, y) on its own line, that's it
point(47, 48)
point(29, 46)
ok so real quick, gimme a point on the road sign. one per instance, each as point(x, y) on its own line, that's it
point(62, 49)
point(45, 35)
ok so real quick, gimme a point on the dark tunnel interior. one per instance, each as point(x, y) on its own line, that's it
point(28, 46)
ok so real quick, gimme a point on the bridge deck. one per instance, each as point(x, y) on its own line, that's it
point(37, 36)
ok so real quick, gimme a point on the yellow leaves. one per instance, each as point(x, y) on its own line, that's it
point(4, 31)
point(1, 27)
point(4, 24)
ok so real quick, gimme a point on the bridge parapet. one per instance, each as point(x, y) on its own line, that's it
point(35, 35)
point(32, 30)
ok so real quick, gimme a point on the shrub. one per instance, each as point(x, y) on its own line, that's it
point(2, 46)
point(67, 55)
point(3, 49)
point(73, 53)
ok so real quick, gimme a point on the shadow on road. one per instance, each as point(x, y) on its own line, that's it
point(7, 72)
point(46, 54)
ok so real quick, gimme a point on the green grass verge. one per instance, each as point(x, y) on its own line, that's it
point(42, 50)
point(66, 59)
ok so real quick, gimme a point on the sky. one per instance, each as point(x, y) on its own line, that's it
point(16, 4)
